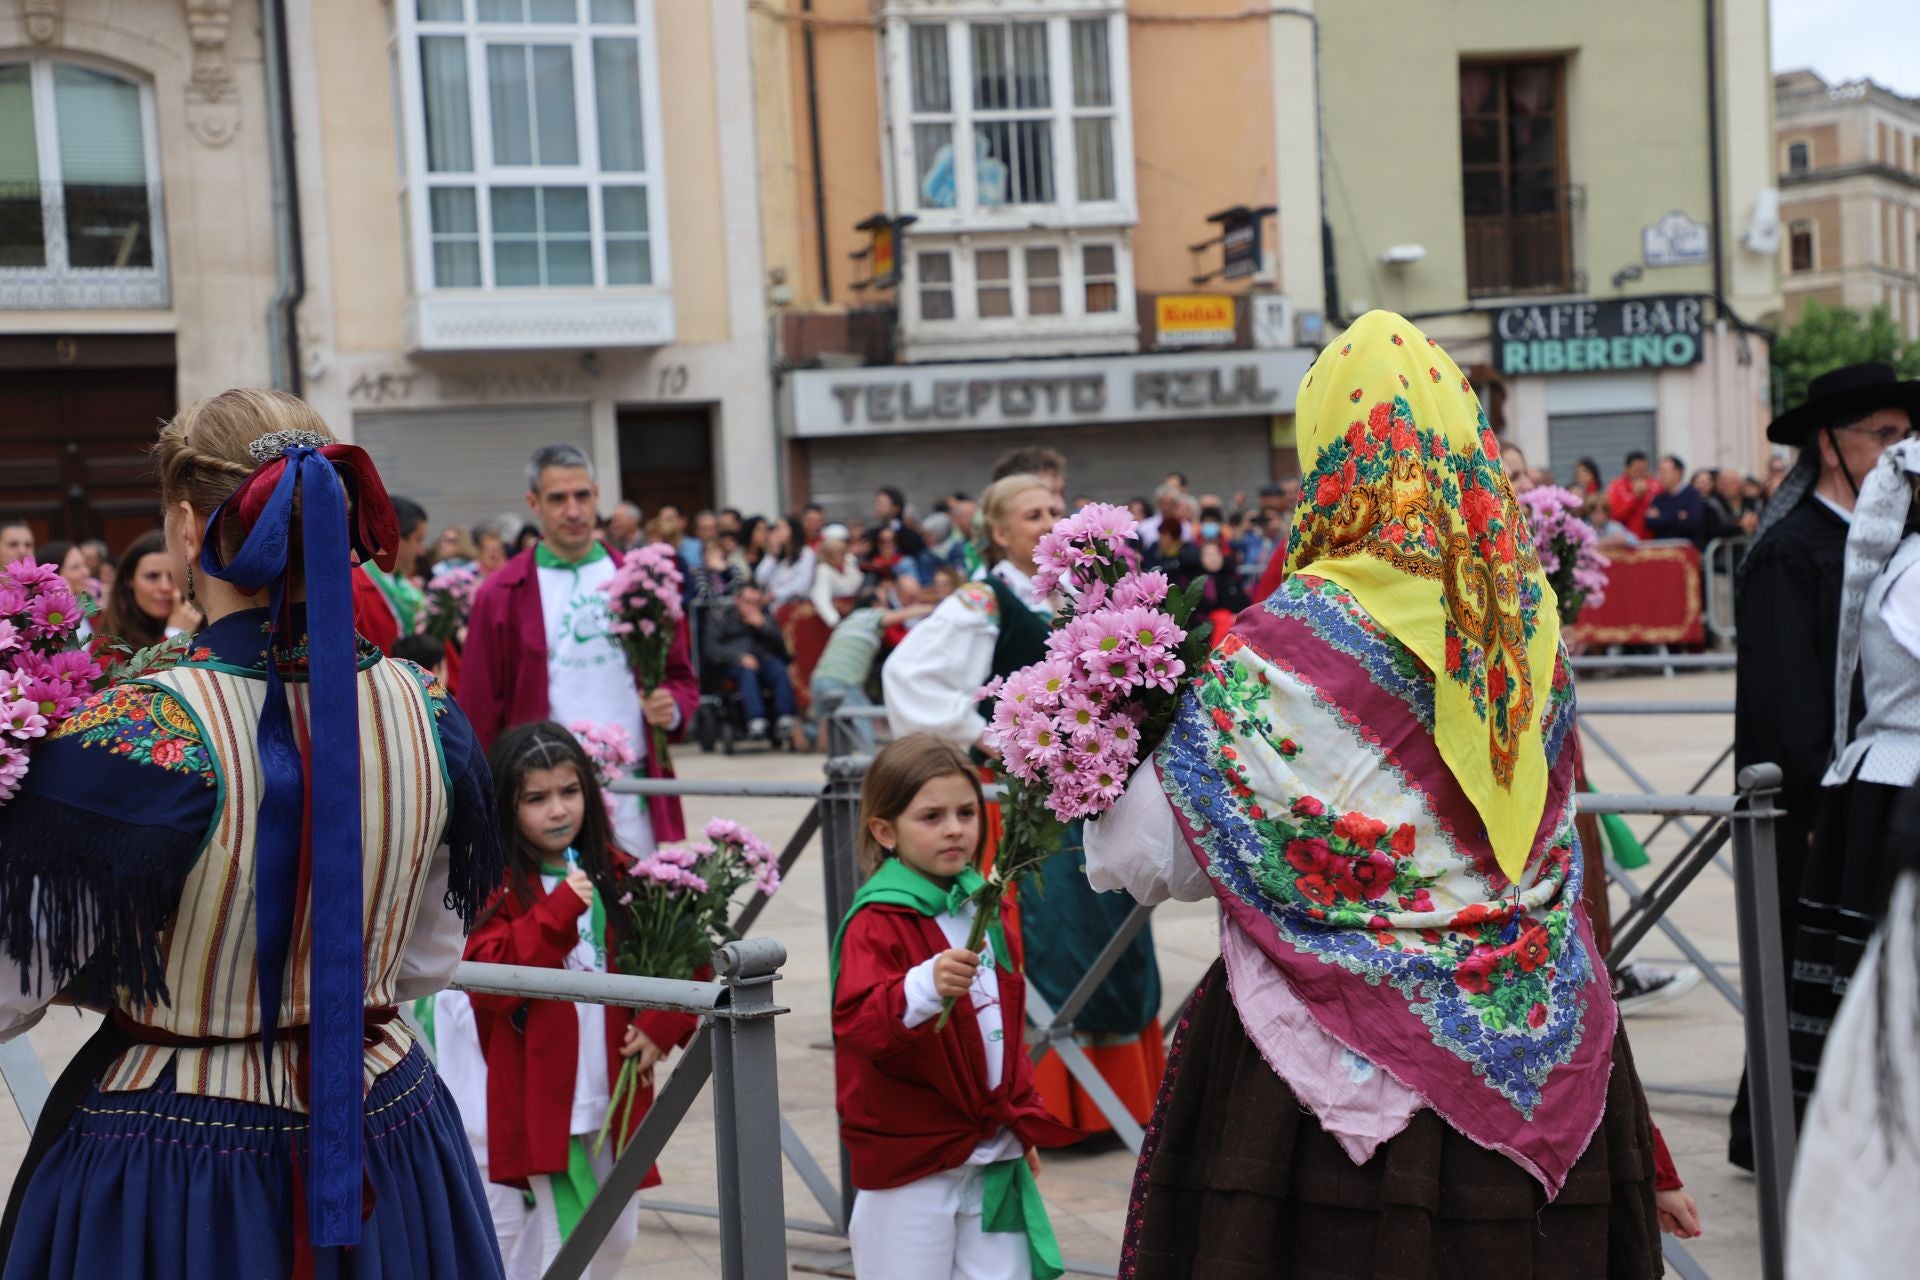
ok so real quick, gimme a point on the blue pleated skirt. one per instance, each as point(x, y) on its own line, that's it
point(158, 1185)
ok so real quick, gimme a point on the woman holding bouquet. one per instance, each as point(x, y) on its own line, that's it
point(991, 628)
point(193, 852)
point(1408, 1055)
point(550, 1065)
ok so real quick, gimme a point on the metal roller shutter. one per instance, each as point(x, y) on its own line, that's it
point(1111, 463)
point(467, 465)
point(1607, 438)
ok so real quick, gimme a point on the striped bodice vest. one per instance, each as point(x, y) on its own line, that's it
point(211, 968)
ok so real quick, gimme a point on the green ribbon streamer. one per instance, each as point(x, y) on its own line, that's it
point(1010, 1201)
point(1619, 838)
point(574, 1190)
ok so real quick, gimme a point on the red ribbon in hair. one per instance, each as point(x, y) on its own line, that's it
point(373, 528)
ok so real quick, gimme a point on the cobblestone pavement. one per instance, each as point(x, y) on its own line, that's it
point(1691, 1045)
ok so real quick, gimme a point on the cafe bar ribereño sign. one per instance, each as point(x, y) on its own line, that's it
point(1600, 337)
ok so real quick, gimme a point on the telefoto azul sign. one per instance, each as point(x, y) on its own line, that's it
point(1595, 337)
point(1043, 393)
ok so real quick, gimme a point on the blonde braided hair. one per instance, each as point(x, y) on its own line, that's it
point(202, 453)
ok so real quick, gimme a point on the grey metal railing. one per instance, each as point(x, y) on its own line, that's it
point(734, 1047)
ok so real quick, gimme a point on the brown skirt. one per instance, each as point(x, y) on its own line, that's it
point(1238, 1182)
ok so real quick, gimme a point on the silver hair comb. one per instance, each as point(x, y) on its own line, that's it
point(276, 443)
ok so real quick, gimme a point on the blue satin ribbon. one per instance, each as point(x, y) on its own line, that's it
point(316, 806)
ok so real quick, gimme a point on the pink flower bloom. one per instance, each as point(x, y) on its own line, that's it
point(1141, 590)
point(28, 574)
point(22, 719)
point(55, 613)
point(72, 664)
point(13, 768)
point(1041, 740)
point(9, 636)
point(13, 601)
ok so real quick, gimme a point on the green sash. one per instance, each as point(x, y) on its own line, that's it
point(1010, 1201)
point(574, 1190)
point(898, 885)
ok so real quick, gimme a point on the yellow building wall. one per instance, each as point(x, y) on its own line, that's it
point(1635, 136)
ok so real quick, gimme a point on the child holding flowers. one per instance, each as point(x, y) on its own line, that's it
point(551, 1064)
point(940, 1124)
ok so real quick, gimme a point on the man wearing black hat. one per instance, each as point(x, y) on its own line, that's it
point(1787, 610)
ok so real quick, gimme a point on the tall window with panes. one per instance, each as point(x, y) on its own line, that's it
point(79, 189)
point(535, 143)
point(1013, 151)
point(1517, 197)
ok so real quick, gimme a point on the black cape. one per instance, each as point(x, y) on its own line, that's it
point(1787, 611)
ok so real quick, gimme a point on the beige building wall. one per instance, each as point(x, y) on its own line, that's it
point(1861, 193)
point(213, 161)
point(355, 318)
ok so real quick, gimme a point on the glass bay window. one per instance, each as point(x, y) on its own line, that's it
point(536, 135)
point(1010, 117)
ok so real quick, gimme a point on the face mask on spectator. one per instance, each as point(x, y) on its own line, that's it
point(1210, 529)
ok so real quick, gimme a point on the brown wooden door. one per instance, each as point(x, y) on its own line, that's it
point(666, 455)
point(76, 450)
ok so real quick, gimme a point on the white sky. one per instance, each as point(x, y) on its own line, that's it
point(1850, 39)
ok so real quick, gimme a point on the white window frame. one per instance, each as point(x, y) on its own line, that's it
point(1075, 330)
point(58, 285)
point(1066, 210)
point(485, 175)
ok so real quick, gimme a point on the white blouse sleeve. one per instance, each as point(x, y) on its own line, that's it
point(437, 941)
point(1137, 846)
point(932, 681)
point(822, 595)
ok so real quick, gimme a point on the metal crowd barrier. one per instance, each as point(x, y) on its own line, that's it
point(734, 1047)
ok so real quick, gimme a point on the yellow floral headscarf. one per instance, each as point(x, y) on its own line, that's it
point(1404, 503)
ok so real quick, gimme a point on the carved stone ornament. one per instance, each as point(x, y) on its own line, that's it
point(41, 18)
point(213, 104)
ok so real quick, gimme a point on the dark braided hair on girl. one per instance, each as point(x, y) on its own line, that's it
point(518, 752)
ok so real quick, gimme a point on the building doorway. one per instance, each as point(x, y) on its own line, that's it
point(83, 413)
point(666, 455)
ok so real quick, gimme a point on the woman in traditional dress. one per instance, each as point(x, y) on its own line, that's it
point(1407, 1061)
point(1848, 876)
point(248, 853)
point(992, 627)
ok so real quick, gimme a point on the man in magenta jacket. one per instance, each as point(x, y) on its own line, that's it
point(510, 672)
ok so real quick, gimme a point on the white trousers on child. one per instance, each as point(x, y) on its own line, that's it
point(539, 1242)
point(930, 1230)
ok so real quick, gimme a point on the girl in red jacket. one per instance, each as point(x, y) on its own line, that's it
point(550, 1064)
point(941, 1126)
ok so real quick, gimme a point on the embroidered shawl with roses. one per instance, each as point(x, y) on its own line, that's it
point(1403, 502)
point(1309, 771)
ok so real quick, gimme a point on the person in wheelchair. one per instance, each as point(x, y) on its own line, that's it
point(745, 643)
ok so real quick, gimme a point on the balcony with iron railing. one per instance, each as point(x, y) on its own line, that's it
point(80, 245)
point(1513, 253)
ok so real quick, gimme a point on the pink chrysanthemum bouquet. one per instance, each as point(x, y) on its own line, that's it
point(1569, 549)
point(1071, 728)
point(646, 608)
point(449, 599)
point(677, 905)
point(44, 675)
